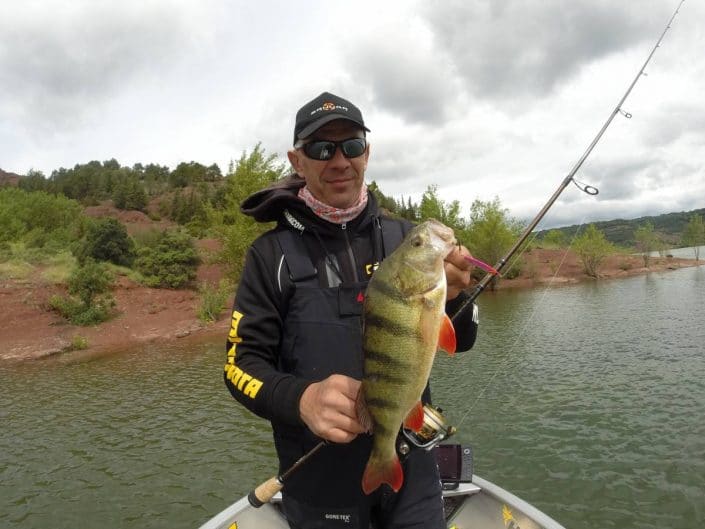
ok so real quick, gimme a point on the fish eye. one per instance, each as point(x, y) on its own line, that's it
point(416, 241)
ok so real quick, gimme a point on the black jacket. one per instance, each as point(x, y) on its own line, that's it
point(346, 253)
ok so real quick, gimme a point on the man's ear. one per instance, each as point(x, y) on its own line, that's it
point(295, 160)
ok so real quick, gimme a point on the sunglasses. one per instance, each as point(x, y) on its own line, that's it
point(325, 149)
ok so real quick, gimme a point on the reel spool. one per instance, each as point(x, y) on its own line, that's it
point(434, 430)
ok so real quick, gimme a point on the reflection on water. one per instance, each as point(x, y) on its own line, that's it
point(588, 401)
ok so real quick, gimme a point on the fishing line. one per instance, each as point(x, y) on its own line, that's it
point(275, 483)
point(505, 365)
point(588, 189)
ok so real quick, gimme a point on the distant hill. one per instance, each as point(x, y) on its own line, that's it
point(669, 226)
point(10, 179)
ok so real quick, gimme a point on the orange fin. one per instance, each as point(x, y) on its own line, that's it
point(446, 336)
point(414, 420)
point(375, 474)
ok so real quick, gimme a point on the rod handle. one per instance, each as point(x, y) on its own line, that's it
point(265, 492)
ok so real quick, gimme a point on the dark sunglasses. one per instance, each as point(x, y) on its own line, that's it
point(325, 149)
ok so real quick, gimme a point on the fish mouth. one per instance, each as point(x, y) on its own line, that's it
point(443, 239)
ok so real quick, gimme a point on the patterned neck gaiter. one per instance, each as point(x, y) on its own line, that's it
point(330, 213)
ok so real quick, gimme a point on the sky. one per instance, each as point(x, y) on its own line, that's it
point(484, 99)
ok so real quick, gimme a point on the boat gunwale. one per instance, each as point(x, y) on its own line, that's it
point(477, 486)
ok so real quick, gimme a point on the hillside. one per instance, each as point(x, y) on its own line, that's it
point(10, 179)
point(28, 330)
point(669, 226)
point(155, 198)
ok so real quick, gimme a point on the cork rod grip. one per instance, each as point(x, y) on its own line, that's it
point(265, 492)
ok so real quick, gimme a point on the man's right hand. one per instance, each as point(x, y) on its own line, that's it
point(328, 408)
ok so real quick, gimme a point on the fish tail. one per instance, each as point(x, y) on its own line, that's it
point(380, 471)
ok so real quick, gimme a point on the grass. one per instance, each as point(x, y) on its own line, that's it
point(213, 300)
point(58, 267)
point(16, 269)
point(78, 343)
point(20, 262)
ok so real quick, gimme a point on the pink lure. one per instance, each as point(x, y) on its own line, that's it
point(481, 264)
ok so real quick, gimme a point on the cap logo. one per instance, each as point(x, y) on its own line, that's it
point(328, 106)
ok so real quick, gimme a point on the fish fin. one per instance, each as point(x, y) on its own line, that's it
point(363, 413)
point(446, 336)
point(378, 472)
point(414, 419)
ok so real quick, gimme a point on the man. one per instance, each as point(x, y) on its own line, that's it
point(295, 346)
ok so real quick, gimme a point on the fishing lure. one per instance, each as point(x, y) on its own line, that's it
point(481, 264)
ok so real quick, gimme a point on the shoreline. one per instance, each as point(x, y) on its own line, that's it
point(29, 331)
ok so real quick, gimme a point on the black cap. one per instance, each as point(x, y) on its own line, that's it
point(324, 109)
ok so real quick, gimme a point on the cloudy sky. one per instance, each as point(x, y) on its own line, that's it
point(484, 98)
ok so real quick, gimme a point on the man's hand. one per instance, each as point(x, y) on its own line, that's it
point(328, 408)
point(457, 271)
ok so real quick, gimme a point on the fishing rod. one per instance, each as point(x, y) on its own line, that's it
point(265, 492)
point(590, 190)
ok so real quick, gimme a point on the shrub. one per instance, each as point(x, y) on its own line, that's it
point(555, 238)
point(106, 240)
point(213, 299)
point(170, 261)
point(514, 270)
point(38, 216)
point(90, 301)
point(129, 193)
point(78, 343)
point(592, 249)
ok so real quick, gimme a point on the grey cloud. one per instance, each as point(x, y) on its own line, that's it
point(403, 80)
point(672, 124)
point(54, 68)
point(619, 179)
point(514, 48)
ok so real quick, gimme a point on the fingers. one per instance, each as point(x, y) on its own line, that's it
point(457, 258)
point(328, 408)
point(457, 270)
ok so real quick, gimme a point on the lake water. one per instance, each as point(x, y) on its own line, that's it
point(587, 401)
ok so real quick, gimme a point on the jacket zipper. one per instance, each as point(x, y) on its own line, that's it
point(350, 253)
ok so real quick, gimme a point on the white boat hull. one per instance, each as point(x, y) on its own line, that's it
point(476, 505)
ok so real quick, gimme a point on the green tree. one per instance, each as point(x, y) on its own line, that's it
point(694, 234)
point(555, 238)
point(236, 231)
point(129, 194)
point(170, 260)
point(90, 301)
point(384, 201)
point(33, 181)
point(409, 210)
point(106, 239)
point(647, 241)
point(433, 207)
point(592, 248)
point(38, 217)
point(189, 173)
point(89, 281)
point(156, 178)
point(491, 232)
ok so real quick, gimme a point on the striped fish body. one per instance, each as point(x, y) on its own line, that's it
point(403, 318)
